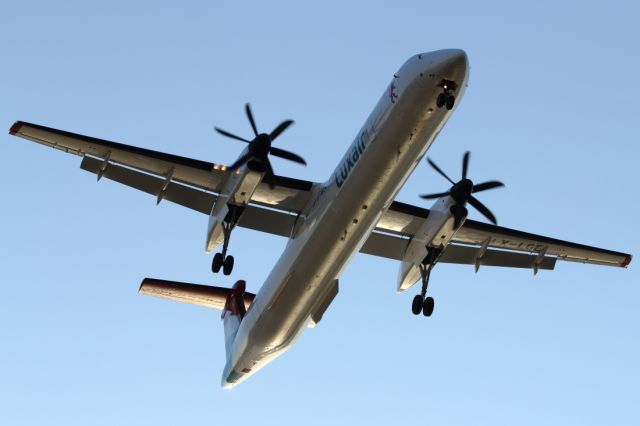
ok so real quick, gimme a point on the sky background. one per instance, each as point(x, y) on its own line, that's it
point(551, 110)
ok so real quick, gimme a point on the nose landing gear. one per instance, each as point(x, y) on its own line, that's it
point(221, 260)
point(447, 98)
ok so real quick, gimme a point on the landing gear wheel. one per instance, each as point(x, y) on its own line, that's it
point(221, 260)
point(218, 259)
point(228, 265)
point(416, 306)
point(442, 99)
point(451, 100)
point(427, 307)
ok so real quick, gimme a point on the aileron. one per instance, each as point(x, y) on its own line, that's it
point(474, 232)
point(198, 173)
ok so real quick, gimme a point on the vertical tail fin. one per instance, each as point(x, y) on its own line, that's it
point(232, 301)
point(233, 313)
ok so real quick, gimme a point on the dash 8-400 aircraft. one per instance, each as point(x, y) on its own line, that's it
point(326, 223)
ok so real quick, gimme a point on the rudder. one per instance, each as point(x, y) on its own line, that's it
point(232, 314)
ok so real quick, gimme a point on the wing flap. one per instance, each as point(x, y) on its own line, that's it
point(270, 221)
point(192, 198)
point(385, 245)
point(393, 247)
point(257, 218)
point(466, 255)
point(402, 219)
point(194, 294)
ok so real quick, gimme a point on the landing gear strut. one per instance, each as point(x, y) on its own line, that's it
point(221, 260)
point(422, 303)
point(447, 98)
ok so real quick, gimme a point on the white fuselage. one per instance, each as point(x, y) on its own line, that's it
point(342, 212)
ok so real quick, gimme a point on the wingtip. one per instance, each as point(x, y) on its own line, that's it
point(15, 128)
point(626, 261)
point(142, 289)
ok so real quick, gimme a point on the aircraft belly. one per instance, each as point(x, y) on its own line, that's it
point(399, 134)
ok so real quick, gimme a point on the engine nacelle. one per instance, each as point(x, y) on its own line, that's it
point(436, 231)
point(215, 234)
point(237, 192)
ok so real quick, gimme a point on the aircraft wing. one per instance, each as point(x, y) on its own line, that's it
point(100, 156)
point(195, 184)
point(484, 244)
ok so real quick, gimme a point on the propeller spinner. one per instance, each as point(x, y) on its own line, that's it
point(261, 146)
point(462, 191)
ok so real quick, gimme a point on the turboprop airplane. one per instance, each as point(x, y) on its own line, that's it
point(326, 223)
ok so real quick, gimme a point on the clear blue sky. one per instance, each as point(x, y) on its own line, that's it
point(551, 110)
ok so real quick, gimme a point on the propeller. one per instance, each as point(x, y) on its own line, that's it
point(260, 148)
point(462, 191)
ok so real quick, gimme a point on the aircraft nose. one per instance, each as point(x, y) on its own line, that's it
point(452, 60)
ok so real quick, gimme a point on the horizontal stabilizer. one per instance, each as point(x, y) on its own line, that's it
point(195, 294)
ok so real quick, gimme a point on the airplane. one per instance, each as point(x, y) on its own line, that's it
point(326, 223)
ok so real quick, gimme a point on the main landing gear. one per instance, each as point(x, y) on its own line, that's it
point(422, 303)
point(447, 98)
point(221, 260)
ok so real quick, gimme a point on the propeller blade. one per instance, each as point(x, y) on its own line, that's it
point(247, 108)
point(230, 135)
point(287, 155)
point(281, 128)
point(432, 164)
point(434, 196)
point(482, 209)
point(240, 161)
point(465, 164)
point(269, 175)
point(486, 185)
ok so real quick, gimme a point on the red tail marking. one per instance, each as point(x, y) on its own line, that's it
point(626, 261)
point(15, 128)
point(235, 300)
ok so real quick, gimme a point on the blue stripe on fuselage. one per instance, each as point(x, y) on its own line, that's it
point(351, 158)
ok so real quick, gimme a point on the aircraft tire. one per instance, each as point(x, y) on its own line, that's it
point(442, 99)
point(416, 306)
point(228, 265)
point(427, 307)
point(451, 100)
point(216, 264)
